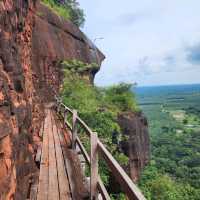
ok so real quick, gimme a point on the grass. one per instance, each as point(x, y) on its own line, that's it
point(62, 11)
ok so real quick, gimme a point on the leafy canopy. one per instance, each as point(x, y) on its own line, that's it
point(68, 9)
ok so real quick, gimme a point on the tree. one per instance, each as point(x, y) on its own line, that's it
point(76, 13)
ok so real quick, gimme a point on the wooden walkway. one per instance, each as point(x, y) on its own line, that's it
point(60, 175)
point(97, 150)
point(53, 179)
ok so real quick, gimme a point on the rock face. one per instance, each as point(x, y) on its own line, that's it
point(137, 143)
point(32, 40)
point(16, 99)
point(55, 40)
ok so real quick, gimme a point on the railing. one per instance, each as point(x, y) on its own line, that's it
point(97, 149)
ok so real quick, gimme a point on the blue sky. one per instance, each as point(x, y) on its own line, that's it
point(151, 42)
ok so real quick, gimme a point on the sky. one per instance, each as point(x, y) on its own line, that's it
point(150, 42)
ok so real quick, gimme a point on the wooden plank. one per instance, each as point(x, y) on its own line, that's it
point(103, 190)
point(126, 183)
point(62, 176)
point(84, 152)
point(94, 166)
point(68, 125)
point(124, 180)
point(83, 124)
point(68, 168)
point(58, 107)
point(44, 172)
point(33, 192)
point(41, 130)
point(74, 129)
point(53, 176)
point(65, 117)
point(100, 184)
point(38, 155)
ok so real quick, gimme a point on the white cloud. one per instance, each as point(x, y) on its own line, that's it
point(144, 41)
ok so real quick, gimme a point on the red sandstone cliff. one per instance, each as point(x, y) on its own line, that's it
point(32, 41)
point(137, 145)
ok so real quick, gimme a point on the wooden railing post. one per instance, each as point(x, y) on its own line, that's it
point(74, 129)
point(65, 117)
point(58, 106)
point(94, 166)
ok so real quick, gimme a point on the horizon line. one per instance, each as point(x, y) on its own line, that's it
point(162, 85)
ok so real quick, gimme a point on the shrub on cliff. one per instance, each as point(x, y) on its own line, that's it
point(121, 97)
point(68, 9)
point(77, 66)
point(76, 13)
point(99, 108)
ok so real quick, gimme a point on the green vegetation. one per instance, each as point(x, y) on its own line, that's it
point(157, 186)
point(60, 10)
point(174, 170)
point(175, 143)
point(99, 108)
point(68, 9)
point(77, 66)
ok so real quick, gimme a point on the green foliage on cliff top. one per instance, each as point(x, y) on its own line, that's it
point(77, 66)
point(58, 9)
point(99, 107)
point(68, 9)
point(86, 97)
